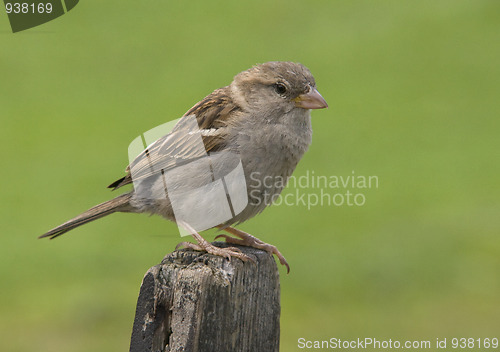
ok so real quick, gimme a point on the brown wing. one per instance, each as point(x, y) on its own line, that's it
point(211, 115)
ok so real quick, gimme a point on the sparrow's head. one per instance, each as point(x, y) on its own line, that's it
point(281, 85)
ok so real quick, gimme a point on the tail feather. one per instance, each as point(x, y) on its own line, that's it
point(119, 203)
point(118, 183)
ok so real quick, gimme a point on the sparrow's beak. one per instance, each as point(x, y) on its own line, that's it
point(311, 100)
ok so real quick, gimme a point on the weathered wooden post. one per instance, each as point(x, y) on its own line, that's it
point(196, 302)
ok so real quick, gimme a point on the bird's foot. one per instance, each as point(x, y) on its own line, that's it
point(245, 239)
point(205, 246)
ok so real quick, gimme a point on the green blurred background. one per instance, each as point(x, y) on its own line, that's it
point(413, 89)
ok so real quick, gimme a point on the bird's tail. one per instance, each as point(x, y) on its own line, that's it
point(120, 203)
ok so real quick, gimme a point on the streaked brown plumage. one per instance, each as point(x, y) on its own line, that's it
point(263, 117)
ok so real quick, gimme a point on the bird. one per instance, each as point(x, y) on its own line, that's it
point(259, 125)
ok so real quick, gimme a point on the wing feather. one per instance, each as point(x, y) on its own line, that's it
point(208, 119)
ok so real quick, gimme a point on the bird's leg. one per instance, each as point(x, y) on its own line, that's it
point(204, 245)
point(245, 239)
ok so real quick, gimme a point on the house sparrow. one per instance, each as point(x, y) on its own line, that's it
point(261, 122)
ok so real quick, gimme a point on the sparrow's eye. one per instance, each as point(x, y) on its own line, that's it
point(280, 88)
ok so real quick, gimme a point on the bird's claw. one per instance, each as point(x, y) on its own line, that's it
point(251, 241)
point(227, 252)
